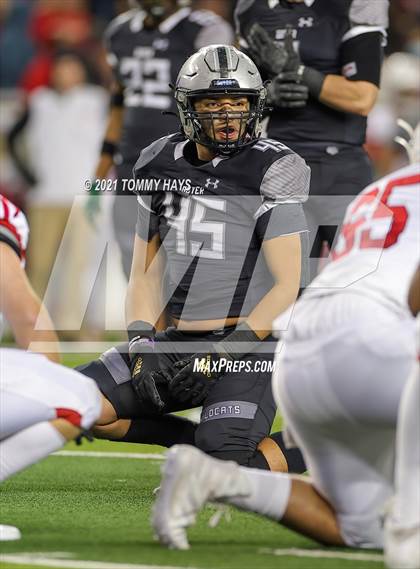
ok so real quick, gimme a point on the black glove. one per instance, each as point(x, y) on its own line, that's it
point(146, 373)
point(293, 85)
point(286, 92)
point(197, 377)
point(265, 52)
point(202, 371)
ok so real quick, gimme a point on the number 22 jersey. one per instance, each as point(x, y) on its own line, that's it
point(146, 61)
point(378, 249)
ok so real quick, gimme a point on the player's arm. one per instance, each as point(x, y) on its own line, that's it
point(116, 110)
point(113, 129)
point(23, 309)
point(144, 298)
point(414, 293)
point(355, 91)
point(281, 227)
point(14, 147)
point(287, 275)
point(112, 133)
point(356, 97)
point(144, 308)
point(361, 59)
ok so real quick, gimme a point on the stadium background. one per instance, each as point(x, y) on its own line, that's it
point(95, 508)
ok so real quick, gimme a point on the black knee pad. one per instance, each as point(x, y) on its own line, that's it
point(111, 374)
point(215, 440)
point(96, 370)
point(210, 437)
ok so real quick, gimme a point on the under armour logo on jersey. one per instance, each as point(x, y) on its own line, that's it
point(161, 44)
point(306, 22)
point(273, 3)
point(214, 183)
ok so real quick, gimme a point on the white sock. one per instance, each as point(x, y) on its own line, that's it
point(27, 447)
point(407, 499)
point(269, 496)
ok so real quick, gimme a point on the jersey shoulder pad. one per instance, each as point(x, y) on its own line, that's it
point(150, 152)
point(14, 228)
point(364, 13)
point(287, 179)
point(240, 15)
point(121, 23)
point(204, 17)
point(270, 147)
point(242, 6)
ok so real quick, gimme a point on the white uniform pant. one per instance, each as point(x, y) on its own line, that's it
point(338, 380)
point(33, 389)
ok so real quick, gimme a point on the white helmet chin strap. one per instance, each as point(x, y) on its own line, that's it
point(412, 145)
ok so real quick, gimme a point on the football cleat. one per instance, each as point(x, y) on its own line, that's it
point(402, 546)
point(9, 533)
point(190, 480)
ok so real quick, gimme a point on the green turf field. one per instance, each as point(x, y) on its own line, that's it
point(98, 509)
point(92, 512)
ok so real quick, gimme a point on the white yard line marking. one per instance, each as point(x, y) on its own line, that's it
point(47, 561)
point(100, 454)
point(320, 553)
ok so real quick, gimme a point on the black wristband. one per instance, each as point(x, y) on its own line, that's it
point(108, 148)
point(314, 80)
point(240, 342)
point(140, 329)
point(117, 99)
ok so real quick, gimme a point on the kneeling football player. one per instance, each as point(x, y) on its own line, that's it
point(220, 223)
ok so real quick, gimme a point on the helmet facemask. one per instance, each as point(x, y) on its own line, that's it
point(220, 72)
point(226, 130)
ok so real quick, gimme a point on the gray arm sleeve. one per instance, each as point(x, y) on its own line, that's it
point(147, 220)
point(286, 181)
point(284, 219)
point(284, 188)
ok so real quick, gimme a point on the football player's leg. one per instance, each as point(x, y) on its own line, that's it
point(43, 406)
point(343, 417)
point(333, 408)
point(402, 526)
point(407, 499)
point(192, 478)
point(125, 419)
point(238, 414)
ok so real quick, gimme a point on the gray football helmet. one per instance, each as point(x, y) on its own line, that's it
point(220, 70)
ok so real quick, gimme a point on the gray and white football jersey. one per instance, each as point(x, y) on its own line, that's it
point(212, 219)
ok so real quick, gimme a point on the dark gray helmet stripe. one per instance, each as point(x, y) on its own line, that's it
point(223, 61)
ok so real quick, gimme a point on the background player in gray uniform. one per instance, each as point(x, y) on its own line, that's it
point(218, 208)
point(146, 48)
point(325, 78)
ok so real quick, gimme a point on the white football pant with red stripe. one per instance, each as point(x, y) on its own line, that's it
point(33, 389)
